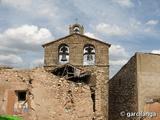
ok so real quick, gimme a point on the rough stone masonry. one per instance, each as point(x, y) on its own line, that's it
point(48, 97)
point(72, 84)
point(135, 89)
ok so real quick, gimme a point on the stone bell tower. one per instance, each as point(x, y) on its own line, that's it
point(76, 28)
point(77, 54)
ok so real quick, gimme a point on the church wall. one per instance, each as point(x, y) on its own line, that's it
point(76, 44)
point(100, 71)
point(123, 92)
point(148, 80)
point(102, 76)
point(99, 82)
point(136, 88)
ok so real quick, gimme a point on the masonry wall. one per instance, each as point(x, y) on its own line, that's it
point(52, 98)
point(136, 88)
point(148, 77)
point(99, 78)
point(76, 44)
point(100, 71)
point(10, 82)
point(49, 97)
point(123, 92)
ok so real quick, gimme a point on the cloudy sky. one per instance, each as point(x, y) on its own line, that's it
point(129, 25)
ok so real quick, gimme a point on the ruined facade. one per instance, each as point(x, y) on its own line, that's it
point(72, 85)
point(39, 95)
point(77, 57)
point(135, 88)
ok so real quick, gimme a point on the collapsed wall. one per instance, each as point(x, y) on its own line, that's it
point(40, 95)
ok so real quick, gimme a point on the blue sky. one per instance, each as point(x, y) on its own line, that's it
point(129, 25)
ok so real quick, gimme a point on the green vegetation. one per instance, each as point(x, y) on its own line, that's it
point(8, 117)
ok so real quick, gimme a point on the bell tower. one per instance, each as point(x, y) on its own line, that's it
point(76, 28)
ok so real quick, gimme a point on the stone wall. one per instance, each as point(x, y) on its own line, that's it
point(48, 97)
point(123, 92)
point(148, 77)
point(100, 76)
point(52, 98)
point(100, 71)
point(135, 88)
point(11, 80)
point(76, 44)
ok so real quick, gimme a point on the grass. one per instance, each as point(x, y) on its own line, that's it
point(8, 117)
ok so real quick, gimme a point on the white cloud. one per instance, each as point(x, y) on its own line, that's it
point(150, 29)
point(137, 27)
point(118, 62)
point(112, 30)
point(126, 3)
point(156, 51)
point(91, 35)
point(118, 57)
point(25, 40)
point(10, 59)
point(26, 37)
point(152, 22)
point(117, 52)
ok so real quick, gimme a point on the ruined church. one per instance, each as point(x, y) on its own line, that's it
point(73, 84)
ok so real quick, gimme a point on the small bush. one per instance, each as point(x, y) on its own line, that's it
point(7, 117)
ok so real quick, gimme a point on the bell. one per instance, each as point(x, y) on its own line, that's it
point(89, 57)
point(63, 58)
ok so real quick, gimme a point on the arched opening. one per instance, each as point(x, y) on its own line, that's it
point(76, 29)
point(89, 55)
point(63, 54)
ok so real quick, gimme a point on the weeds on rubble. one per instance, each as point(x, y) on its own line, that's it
point(7, 117)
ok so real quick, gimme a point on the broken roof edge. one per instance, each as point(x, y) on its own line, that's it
point(79, 35)
point(77, 73)
point(67, 64)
